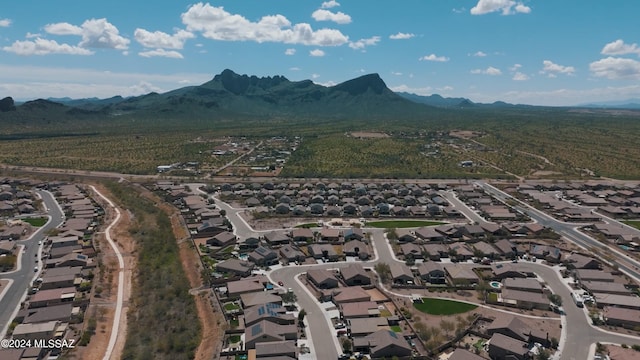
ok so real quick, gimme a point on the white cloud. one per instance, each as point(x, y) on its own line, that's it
point(616, 68)
point(31, 36)
point(63, 28)
point(508, 7)
point(488, 71)
point(330, 4)
point(316, 53)
point(552, 70)
point(408, 89)
point(459, 11)
point(159, 39)
point(479, 54)
point(445, 88)
point(618, 47)
point(326, 15)
point(518, 76)
point(396, 73)
point(44, 47)
point(564, 97)
point(5, 22)
point(362, 43)
point(217, 24)
point(315, 76)
point(401, 36)
point(295, 68)
point(290, 52)
point(161, 53)
point(434, 57)
point(96, 33)
point(515, 67)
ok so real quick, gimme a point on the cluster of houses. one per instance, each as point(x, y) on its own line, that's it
point(561, 200)
point(15, 199)
point(485, 205)
point(59, 297)
point(344, 199)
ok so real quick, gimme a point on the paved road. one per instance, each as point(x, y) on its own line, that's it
point(23, 277)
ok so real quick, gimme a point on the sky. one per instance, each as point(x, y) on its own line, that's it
point(538, 52)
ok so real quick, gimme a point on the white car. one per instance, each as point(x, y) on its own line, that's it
point(35, 269)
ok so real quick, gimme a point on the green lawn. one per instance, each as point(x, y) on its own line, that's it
point(231, 307)
point(493, 297)
point(634, 223)
point(390, 224)
point(234, 323)
point(37, 222)
point(396, 328)
point(478, 345)
point(443, 307)
point(385, 313)
point(234, 339)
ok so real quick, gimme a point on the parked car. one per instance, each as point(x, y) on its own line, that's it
point(280, 283)
point(340, 326)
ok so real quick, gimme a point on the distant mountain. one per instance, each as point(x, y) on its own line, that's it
point(624, 104)
point(87, 103)
point(437, 100)
point(229, 94)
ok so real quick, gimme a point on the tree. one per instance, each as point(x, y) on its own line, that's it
point(384, 271)
point(301, 316)
point(556, 299)
point(223, 212)
point(289, 297)
point(346, 345)
point(392, 234)
point(544, 354)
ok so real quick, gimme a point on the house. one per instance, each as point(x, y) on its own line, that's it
point(239, 287)
point(429, 234)
point(507, 270)
point(605, 287)
point(272, 312)
point(72, 259)
point(460, 251)
point(432, 272)
point(319, 251)
point(405, 235)
point(522, 284)
point(350, 294)
point(400, 273)
point(462, 354)
point(58, 281)
point(435, 251)
point(353, 234)
point(259, 298)
point(515, 328)
point(363, 309)
point(210, 228)
point(354, 275)
point(63, 313)
point(507, 248)
point(222, 239)
point(627, 318)
point(614, 300)
point(52, 297)
point(356, 248)
point(330, 235)
point(235, 266)
point(276, 238)
point(525, 299)
point(282, 208)
point(383, 344)
point(323, 279)
point(44, 331)
point(266, 331)
point(263, 256)
point(593, 275)
point(292, 254)
point(302, 235)
point(411, 250)
point(7, 247)
point(363, 326)
point(505, 347)
point(276, 350)
point(460, 274)
point(579, 261)
point(485, 249)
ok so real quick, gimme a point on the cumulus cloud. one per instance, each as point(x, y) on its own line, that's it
point(518, 76)
point(401, 36)
point(479, 54)
point(507, 7)
point(96, 33)
point(330, 4)
point(363, 43)
point(217, 24)
point(619, 47)
point(326, 15)
point(44, 47)
point(63, 28)
point(396, 73)
point(316, 53)
point(515, 67)
point(552, 70)
point(616, 68)
point(488, 71)
point(159, 39)
point(412, 90)
point(5, 22)
point(290, 52)
point(161, 53)
point(434, 57)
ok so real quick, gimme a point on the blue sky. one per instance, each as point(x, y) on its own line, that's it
point(521, 51)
